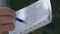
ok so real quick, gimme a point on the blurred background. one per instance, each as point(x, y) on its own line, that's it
point(53, 27)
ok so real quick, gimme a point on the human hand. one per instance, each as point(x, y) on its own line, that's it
point(7, 19)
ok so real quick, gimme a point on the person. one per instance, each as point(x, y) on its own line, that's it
point(7, 20)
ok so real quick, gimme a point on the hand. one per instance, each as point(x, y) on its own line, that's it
point(7, 19)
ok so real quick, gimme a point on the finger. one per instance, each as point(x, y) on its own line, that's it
point(8, 27)
point(5, 20)
point(7, 11)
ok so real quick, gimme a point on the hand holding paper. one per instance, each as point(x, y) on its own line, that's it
point(7, 19)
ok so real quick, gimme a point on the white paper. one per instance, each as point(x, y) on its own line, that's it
point(35, 16)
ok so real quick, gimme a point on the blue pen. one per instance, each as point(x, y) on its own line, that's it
point(20, 20)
